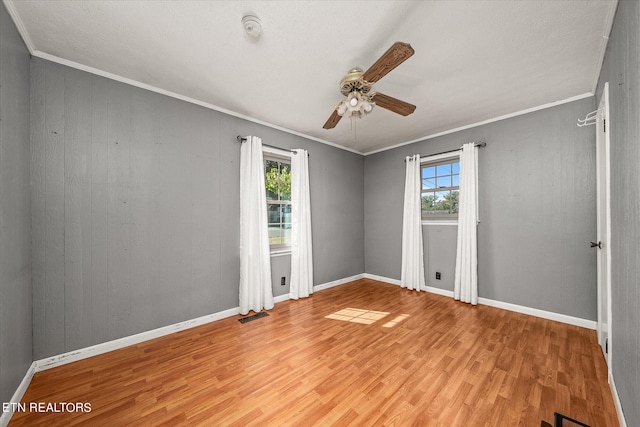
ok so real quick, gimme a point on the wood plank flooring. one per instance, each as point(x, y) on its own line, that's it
point(430, 361)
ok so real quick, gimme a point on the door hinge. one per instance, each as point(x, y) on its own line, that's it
point(606, 346)
point(604, 121)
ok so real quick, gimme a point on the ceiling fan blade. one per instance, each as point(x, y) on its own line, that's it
point(332, 121)
point(396, 55)
point(393, 104)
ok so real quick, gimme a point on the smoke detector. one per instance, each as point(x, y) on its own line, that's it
point(252, 25)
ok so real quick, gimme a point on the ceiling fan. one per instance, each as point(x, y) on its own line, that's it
point(356, 86)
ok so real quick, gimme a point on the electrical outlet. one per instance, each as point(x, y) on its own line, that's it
point(283, 281)
point(437, 275)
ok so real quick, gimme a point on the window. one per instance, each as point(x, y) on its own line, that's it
point(440, 187)
point(277, 181)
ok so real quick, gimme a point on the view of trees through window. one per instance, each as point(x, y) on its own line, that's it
point(440, 188)
point(278, 185)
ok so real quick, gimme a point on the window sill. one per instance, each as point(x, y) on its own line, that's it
point(280, 252)
point(443, 222)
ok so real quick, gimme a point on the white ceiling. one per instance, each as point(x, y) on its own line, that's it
point(474, 60)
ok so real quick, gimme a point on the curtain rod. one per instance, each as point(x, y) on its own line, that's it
point(478, 145)
point(241, 139)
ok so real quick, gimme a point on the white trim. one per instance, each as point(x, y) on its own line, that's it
point(495, 119)
point(439, 291)
point(280, 252)
point(563, 318)
point(5, 417)
point(436, 157)
point(19, 25)
point(443, 222)
point(381, 279)
point(155, 89)
point(281, 298)
point(81, 67)
point(602, 49)
point(39, 54)
point(396, 282)
point(83, 353)
point(278, 152)
point(607, 148)
point(616, 401)
point(337, 282)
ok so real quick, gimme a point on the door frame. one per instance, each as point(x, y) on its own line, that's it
point(606, 175)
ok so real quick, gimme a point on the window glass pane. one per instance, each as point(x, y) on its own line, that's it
point(438, 200)
point(454, 201)
point(444, 181)
point(270, 164)
point(428, 201)
point(275, 236)
point(271, 179)
point(286, 213)
point(285, 181)
point(286, 233)
point(429, 172)
point(428, 183)
point(443, 202)
point(278, 189)
point(273, 213)
point(443, 169)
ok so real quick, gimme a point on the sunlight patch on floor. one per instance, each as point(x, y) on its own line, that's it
point(357, 315)
point(394, 322)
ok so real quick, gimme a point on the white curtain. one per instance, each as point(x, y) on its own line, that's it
point(301, 253)
point(255, 262)
point(466, 276)
point(412, 274)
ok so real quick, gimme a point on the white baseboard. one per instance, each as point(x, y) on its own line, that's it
point(616, 401)
point(281, 298)
point(5, 417)
point(429, 289)
point(83, 353)
point(381, 279)
point(563, 318)
point(439, 291)
point(337, 282)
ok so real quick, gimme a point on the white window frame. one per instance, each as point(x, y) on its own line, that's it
point(453, 155)
point(272, 153)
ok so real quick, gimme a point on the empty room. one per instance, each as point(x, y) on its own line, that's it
point(327, 213)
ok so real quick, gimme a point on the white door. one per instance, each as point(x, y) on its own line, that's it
point(604, 226)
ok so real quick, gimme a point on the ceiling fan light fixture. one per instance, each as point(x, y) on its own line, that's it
point(355, 106)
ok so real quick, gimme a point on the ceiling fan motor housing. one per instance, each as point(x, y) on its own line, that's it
point(353, 82)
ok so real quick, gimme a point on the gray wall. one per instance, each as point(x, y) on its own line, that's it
point(621, 70)
point(537, 211)
point(135, 207)
point(15, 227)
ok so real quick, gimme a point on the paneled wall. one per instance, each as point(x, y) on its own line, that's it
point(537, 211)
point(621, 68)
point(136, 204)
point(15, 218)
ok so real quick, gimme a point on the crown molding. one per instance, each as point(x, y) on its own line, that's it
point(19, 25)
point(121, 79)
point(485, 122)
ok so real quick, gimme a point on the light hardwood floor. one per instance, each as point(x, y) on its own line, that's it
point(429, 361)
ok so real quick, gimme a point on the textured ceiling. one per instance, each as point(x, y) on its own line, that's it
point(474, 60)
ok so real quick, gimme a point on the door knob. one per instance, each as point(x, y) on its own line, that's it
point(598, 245)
